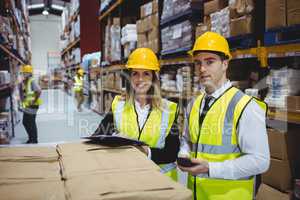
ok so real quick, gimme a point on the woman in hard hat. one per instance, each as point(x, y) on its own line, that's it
point(143, 115)
point(225, 129)
point(78, 88)
point(30, 93)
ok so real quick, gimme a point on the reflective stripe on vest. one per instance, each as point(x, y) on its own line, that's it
point(155, 130)
point(78, 83)
point(30, 95)
point(218, 142)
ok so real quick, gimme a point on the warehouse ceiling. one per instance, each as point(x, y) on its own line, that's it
point(36, 7)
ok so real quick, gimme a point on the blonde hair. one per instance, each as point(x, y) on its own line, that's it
point(153, 95)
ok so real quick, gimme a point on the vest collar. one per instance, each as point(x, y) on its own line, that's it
point(218, 92)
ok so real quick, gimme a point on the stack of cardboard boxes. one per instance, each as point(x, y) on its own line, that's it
point(183, 80)
point(287, 13)
point(129, 38)
point(148, 26)
point(241, 20)
point(177, 36)
point(282, 84)
point(112, 47)
point(278, 180)
point(83, 171)
point(229, 19)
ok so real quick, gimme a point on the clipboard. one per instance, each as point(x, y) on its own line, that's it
point(113, 140)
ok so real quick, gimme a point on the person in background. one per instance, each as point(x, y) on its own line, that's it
point(78, 88)
point(143, 115)
point(225, 130)
point(30, 93)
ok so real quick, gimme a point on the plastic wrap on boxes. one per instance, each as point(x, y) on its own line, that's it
point(4, 77)
point(64, 18)
point(171, 7)
point(115, 31)
point(74, 6)
point(107, 48)
point(129, 34)
point(241, 7)
point(282, 83)
point(77, 28)
point(149, 8)
point(128, 48)
point(177, 36)
point(220, 22)
point(183, 80)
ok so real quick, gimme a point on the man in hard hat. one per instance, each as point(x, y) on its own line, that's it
point(78, 88)
point(30, 93)
point(225, 130)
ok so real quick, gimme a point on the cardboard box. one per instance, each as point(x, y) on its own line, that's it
point(200, 29)
point(33, 190)
point(29, 171)
point(149, 8)
point(242, 7)
point(116, 21)
point(132, 177)
point(293, 102)
point(147, 22)
point(105, 172)
point(278, 144)
point(293, 12)
point(94, 158)
point(124, 186)
point(241, 26)
point(266, 192)
point(142, 38)
point(154, 45)
point(279, 175)
point(153, 34)
point(214, 6)
point(155, 20)
point(41, 154)
point(275, 8)
point(139, 26)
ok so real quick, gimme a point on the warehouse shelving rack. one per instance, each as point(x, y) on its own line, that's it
point(12, 57)
point(88, 41)
point(263, 54)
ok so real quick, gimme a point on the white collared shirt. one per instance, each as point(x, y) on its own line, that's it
point(253, 142)
point(142, 114)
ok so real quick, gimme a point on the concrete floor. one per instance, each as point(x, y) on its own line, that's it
point(58, 120)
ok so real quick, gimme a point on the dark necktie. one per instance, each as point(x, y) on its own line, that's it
point(207, 99)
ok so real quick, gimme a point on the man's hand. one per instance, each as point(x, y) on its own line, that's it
point(200, 168)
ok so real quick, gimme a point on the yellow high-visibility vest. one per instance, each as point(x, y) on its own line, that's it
point(218, 142)
point(78, 84)
point(30, 95)
point(155, 130)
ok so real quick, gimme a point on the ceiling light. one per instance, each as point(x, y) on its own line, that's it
point(45, 12)
point(57, 7)
point(35, 6)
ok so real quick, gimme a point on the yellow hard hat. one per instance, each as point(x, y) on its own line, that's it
point(211, 41)
point(80, 71)
point(143, 58)
point(27, 69)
